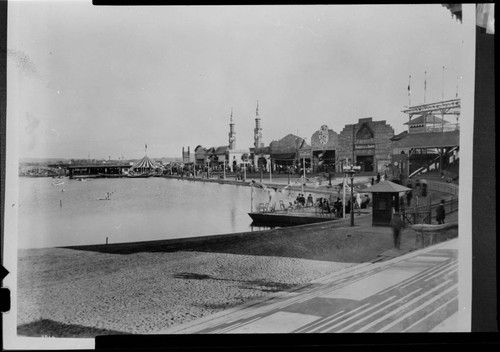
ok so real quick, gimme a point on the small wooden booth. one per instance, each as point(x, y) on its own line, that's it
point(385, 198)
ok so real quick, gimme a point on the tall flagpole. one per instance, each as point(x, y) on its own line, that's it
point(425, 84)
point(442, 88)
point(409, 92)
point(343, 196)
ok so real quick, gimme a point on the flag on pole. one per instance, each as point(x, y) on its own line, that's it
point(442, 88)
point(425, 84)
point(409, 91)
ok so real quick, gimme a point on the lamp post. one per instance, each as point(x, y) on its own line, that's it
point(270, 170)
point(303, 174)
point(349, 171)
point(208, 166)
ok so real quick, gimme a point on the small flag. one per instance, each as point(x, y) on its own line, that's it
point(409, 89)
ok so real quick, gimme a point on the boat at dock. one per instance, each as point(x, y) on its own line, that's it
point(290, 217)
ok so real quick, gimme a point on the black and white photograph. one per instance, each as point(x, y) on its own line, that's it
point(250, 169)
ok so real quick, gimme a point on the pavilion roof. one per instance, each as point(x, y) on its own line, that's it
point(426, 118)
point(386, 187)
point(428, 140)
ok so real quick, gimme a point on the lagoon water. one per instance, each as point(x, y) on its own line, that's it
point(140, 209)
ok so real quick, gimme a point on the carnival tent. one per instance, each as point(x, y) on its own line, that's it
point(145, 164)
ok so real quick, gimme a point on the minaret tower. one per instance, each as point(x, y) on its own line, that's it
point(232, 133)
point(257, 131)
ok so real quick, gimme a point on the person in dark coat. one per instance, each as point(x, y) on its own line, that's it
point(397, 225)
point(417, 188)
point(378, 177)
point(348, 207)
point(440, 213)
point(409, 196)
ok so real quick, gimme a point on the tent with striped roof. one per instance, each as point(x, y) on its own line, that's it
point(146, 164)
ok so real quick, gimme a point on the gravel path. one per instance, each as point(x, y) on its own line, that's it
point(75, 293)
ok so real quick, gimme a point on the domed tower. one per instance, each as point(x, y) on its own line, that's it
point(257, 131)
point(232, 133)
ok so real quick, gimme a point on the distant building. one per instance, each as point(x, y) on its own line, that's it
point(257, 132)
point(187, 156)
point(200, 156)
point(259, 155)
point(366, 144)
point(431, 141)
point(285, 153)
point(223, 156)
point(232, 133)
point(324, 144)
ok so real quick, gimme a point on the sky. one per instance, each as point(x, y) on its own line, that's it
point(102, 82)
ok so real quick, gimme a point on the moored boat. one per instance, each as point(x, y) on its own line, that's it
point(287, 218)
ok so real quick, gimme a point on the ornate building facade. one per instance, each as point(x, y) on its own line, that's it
point(366, 144)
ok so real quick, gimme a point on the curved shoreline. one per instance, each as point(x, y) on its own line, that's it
point(144, 287)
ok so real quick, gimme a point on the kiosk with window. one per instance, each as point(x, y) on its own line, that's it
point(385, 198)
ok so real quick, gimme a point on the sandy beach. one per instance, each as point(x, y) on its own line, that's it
point(144, 292)
point(148, 286)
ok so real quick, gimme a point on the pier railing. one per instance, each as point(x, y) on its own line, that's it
point(442, 187)
point(423, 213)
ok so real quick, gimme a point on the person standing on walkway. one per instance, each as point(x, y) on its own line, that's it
point(397, 225)
point(440, 213)
point(409, 196)
point(417, 188)
point(310, 200)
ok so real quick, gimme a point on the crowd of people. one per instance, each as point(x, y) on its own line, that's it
point(333, 207)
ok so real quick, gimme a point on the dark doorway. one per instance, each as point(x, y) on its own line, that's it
point(366, 162)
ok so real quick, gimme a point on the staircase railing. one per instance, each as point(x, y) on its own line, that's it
point(432, 165)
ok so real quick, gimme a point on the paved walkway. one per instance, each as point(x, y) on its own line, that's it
point(415, 292)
